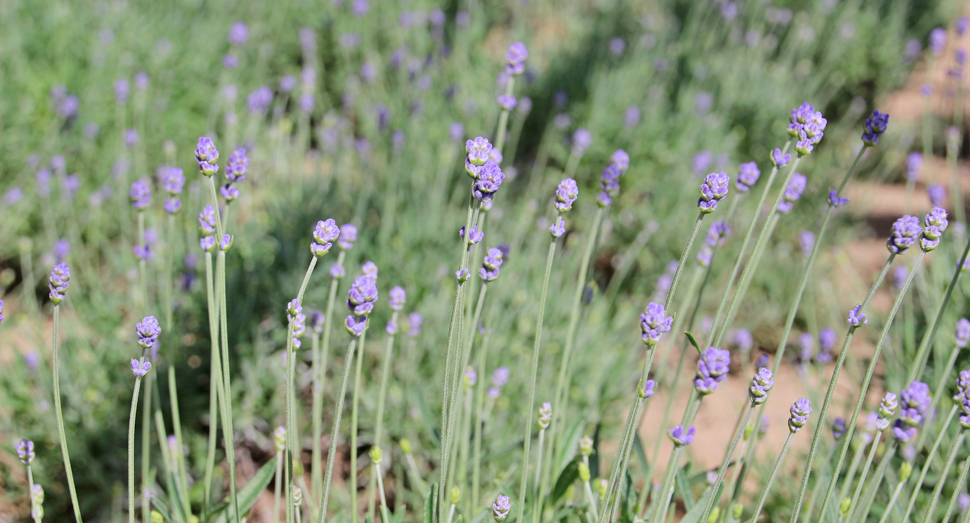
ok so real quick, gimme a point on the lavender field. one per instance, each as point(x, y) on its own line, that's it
point(525, 261)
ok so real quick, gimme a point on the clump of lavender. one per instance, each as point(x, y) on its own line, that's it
point(58, 282)
point(904, 233)
point(748, 176)
point(915, 402)
point(713, 190)
point(362, 296)
point(807, 127)
point(654, 323)
point(800, 410)
point(796, 186)
point(324, 234)
point(712, 368)
point(515, 59)
point(207, 155)
point(935, 224)
point(874, 126)
point(681, 437)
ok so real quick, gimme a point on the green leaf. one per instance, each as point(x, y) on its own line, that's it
point(162, 509)
point(641, 454)
point(568, 475)
point(430, 503)
point(693, 341)
point(246, 497)
point(428, 418)
point(694, 515)
point(568, 448)
point(683, 485)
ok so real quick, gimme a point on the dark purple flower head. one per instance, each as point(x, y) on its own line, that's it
point(962, 336)
point(397, 297)
point(654, 322)
point(904, 233)
point(324, 234)
point(857, 318)
point(491, 263)
point(903, 432)
point(148, 330)
point(717, 232)
point(501, 508)
point(682, 437)
point(59, 281)
point(760, 385)
point(238, 166)
point(490, 177)
point(25, 451)
point(506, 102)
point(347, 236)
point(778, 159)
point(874, 126)
point(582, 139)
point(238, 34)
point(713, 189)
point(515, 58)
point(796, 186)
point(207, 220)
point(935, 224)
point(566, 194)
point(140, 195)
point(140, 369)
point(620, 160)
point(838, 428)
point(937, 40)
point(712, 368)
point(800, 410)
point(258, 101)
point(207, 155)
point(229, 192)
point(747, 177)
point(474, 238)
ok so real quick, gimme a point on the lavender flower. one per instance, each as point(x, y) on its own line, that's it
point(397, 298)
point(806, 240)
point(140, 195)
point(515, 59)
point(297, 321)
point(874, 126)
point(25, 451)
point(807, 127)
point(490, 178)
point(337, 271)
point(743, 340)
point(207, 155)
point(475, 237)
point(937, 40)
point(796, 186)
point(566, 194)
point(827, 338)
point(835, 200)
point(462, 274)
point(682, 437)
point(324, 234)
point(316, 321)
point(225, 243)
point(131, 138)
point(631, 117)
point(713, 190)
point(1, 311)
point(59, 281)
point(258, 101)
point(800, 410)
point(500, 376)
point(491, 263)
point(545, 415)
point(760, 385)
point(361, 299)
point(887, 408)
point(558, 228)
point(620, 160)
point(140, 369)
point(904, 233)
point(471, 378)
point(122, 90)
point(148, 331)
point(477, 152)
point(712, 368)
point(963, 385)
point(654, 323)
point(207, 220)
point(648, 389)
point(857, 317)
point(838, 428)
point(347, 236)
point(915, 401)
point(962, 337)
point(582, 139)
point(914, 163)
point(962, 24)
point(238, 166)
point(229, 193)
point(701, 161)
point(935, 224)
point(207, 243)
point(238, 34)
point(414, 323)
point(748, 176)
point(779, 160)
point(502, 505)
point(717, 232)
point(506, 102)
point(937, 194)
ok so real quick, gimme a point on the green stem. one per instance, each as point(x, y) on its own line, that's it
point(529, 421)
point(892, 502)
point(503, 119)
point(354, 406)
point(288, 464)
point(771, 478)
point(956, 491)
point(874, 485)
point(335, 429)
point(60, 419)
point(942, 479)
point(280, 457)
point(727, 461)
point(860, 452)
point(385, 375)
point(537, 505)
point(215, 378)
point(226, 389)
point(865, 472)
point(929, 460)
point(131, 451)
point(850, 428)
point(666, 488)
point(479, 425)
point(683, 261)
point(820, 426)
point(385, 517)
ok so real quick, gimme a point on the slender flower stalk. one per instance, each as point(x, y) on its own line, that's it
point(964, 470)
point(335, 429)
point(375, 457)
point(935, 498)
point(545, 416)
point(905, 470)
point(800, 410)
point(279, 441)
point(148, 331)
point(911, 504)
point(215, 380)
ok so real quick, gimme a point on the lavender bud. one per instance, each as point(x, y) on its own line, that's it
point(582, 139)
point(682, 437)
point(207, 243)
point(713, 189)
point(647, 390)
point(904, 233)
point(566, 194)
point(915, 402)
point(838, 428)
point(279, 438)
point(493, 260)
point(935, 224)
point(620, 160)
point(705, 256)
point(654, 323)
point(316, 321)
point(558, 229)
point(962, 337)
point(238, 166)
point(937, 40)
point(586, 447)
point(506, 102)
point(140, 369)
point(806, 240)
point(743, 340)
point(225, 243)
point(501, 508)
point(470, 377)
point(347, 236)
point(887, 408)
point(337, 271)
point(207, 220)
point(490, 178)
point(1, 311)
point(148, 330)
point(963, 385)
point(717, 232)
point(25, 451)
point(414, 324)
point(324, 234)
point(835, 200)
point(515, 58)
point(760, 385)
point(207, 155)
point(748, 176)
point(140, 195)
point(500, 376)
point(229, 193)
point(603, 200)
point(914, 163)
point(856, 317)
point(796, 186)
point(356, 325)
point(545, 415)
point(779, 160)
point(369, 269)
point(59, 281)
point(477, 153)
point(712, 368)
point(937, 194)
point(761, 362)
point(462, 274)
point(874, 126)
point(37, 502)
point(362, 296)
point(474, 238)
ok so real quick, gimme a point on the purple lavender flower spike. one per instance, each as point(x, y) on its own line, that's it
point(963, 385)
point(914, 406)
point(502, 506)
point(207, 155)
point(225, 243)
point(681, 437)
point(835, 200)
point(914, 163)
point(779, 160)
point(838, 428)
point(140, 369)
point(962, 24)
point(362, 296)
point(620, 160)
point(558, 228)
point(857, 318)
point(566, 194)
point(743, 340)
point(937, 194)
point(490, 177)
point(59, 281)
point(717, 232)
point(25, 451)
point(582, 139)
point(258, 101)
point(796, 186)
point(887, 408)
point(827, 338)
point(654, 322)
point(934, 226)
point(491, 264)
point(316, 321)
point(347, 236)
point(806, 240)
point(298, 323)
point(237, 166)
point(748, 176)
point(148, 331)
point(648, 389)
point(142, 252)
point(937, 40)
point(122, 90)
point(712, 368)
point(800, 410)
point(391, 328)
point(904, 233)
point(515, 59)
point(356, 325)
point(874, 126)
point(207, 220)
point(140, 195)
point(610, 181)
point(713, 190)
point(324, 234)
point(762, 361)
point(478, 152)
point(337, 271)
point(415, 320)
point(229, 193)
point(474, 238)
point(238, 34)
point(704, 256)
point(962, 336)
point(171, 179)
point(603, 200)
point(761, 384)
point(506, 102)
point(207, 243)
